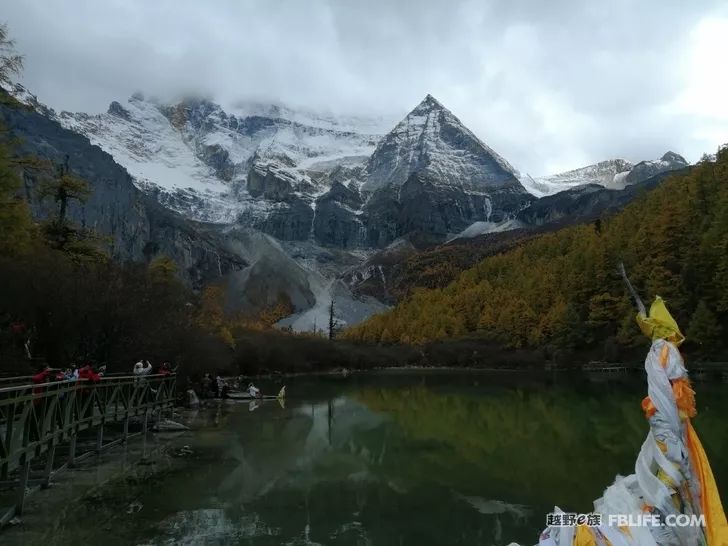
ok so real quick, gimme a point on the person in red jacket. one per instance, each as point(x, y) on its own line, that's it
point(87, 378)
point(42, 376)
point(87, 372)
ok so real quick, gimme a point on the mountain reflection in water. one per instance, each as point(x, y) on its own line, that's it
point(414, 459)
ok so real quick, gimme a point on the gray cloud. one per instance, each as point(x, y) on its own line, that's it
point(550, 85)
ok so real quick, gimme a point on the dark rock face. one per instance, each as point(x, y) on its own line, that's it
point(420, 205)
point(647, 169)
point(116, 109)
point(338, 219)
point(268, 182)
point(137, 226)
point(424, 206)
point(674, 158)
point(339, 193)
point(218, 158)
point(289, 221)
point(584, 201)
point(253, 124)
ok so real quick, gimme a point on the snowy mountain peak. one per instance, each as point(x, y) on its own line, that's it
point(613, 174)
point(427, 104)
point(431, 141)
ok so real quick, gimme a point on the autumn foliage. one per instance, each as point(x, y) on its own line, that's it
point(562, 290)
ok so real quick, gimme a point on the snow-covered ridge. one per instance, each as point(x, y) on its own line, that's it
point(614, 174)
point(602, 173)
point(196, 157)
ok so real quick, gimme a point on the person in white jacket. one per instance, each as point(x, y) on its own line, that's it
point(142, 368)
point(253, 391)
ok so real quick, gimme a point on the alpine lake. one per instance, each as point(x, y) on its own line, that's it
point(392, 458)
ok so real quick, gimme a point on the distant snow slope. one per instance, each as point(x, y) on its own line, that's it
point(602, 173)
point(613, 174)
point(198, 156)
point(156, 154)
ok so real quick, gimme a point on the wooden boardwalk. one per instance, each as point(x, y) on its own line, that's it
point(36, 420)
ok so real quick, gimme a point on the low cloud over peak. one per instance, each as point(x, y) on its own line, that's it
point(549, 85)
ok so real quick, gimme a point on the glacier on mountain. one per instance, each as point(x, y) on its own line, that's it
point(196, 157)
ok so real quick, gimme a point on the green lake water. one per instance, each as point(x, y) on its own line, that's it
point(394, 458)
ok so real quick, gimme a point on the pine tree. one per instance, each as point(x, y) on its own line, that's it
point(61, 234)
point(15, 220)
point(162, 269)
point(63, 188)
point(704, 329)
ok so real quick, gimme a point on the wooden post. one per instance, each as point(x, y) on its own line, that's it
point(24, 472)
point(49, 465)
point(99, 437)
point(144, 433)
point(125, 436)
point(8, 442)
point(23, 483)
point(72, 448)
point(145, 423)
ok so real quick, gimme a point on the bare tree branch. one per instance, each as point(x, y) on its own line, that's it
point(11, 63)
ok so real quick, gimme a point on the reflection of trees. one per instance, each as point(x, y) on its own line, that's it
point(537, 448)
point(416, 464)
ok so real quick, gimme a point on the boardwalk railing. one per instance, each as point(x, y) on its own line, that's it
point(36, 419)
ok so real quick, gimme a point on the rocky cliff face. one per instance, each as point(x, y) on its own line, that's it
point(647, 169)
point(138, 227)
point(339, 221)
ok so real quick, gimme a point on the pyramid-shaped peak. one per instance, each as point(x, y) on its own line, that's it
point(431, 141)
point(428, 104)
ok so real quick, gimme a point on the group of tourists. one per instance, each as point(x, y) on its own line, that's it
point(214, 387)
point(94, 374)
point(144, 367)
point(71, 373)
point(218, 387)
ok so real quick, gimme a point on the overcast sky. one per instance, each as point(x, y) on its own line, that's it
point(550, 85)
